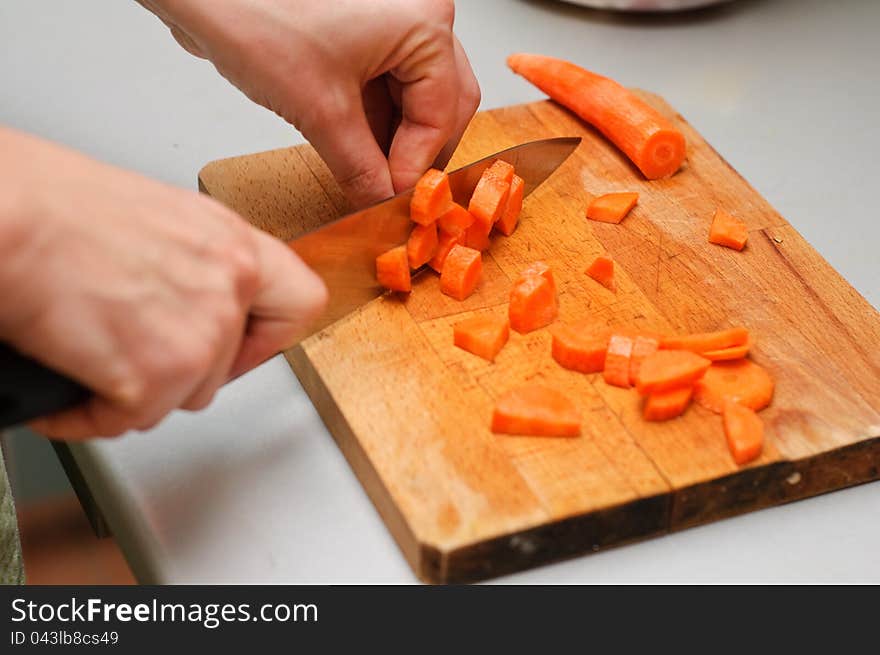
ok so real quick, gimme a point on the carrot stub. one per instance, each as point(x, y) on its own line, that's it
point(744, 430)
point(422, 244)
point(740, 380)
point(723, 354)
point(533, 304)
point(507, 223)
point(665, 405)
point(647, 137)
point(490, 195)
point(392, 269)
point(483, 335)
point(477, 236)
point(707, 341)
point(461, 272)
point(538, 268)
point(445, 243)
point(670, 369)
point(728, 230)
point(578, 351)
point(642, 347)
point(456, 220)
point(602, 270)
point(536, 410)
point(617, 360)
point(431, 197)
point(612, 207)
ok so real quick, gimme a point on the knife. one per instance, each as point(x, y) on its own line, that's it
point(343, 252)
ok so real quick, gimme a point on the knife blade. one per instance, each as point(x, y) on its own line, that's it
point(343, 252)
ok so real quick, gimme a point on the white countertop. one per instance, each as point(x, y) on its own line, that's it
point(254, 489)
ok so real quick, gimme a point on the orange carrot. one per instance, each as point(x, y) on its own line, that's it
point(456, 220)
point(732, 352)
point(740, 380)
point(538, 268)
point(728, 230)
point(482, 335)
point(445, 243)
point(612, 207)
point(578, 351)
point(744, 430)
point(647, 137)
point(602, 270)
point(461, 272)
point(392, 269)
point(664, 405)
point(707, 341)
point(431, 198)
point(422, 244)
point(642, 347)
point(477, 236)
point(533, 304)
point(617, 357)
point(670, 369)
point(536, 410)
point(490, 195)
point(507, 223)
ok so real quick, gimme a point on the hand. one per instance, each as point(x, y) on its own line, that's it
point(381, 88)
point(151, 296)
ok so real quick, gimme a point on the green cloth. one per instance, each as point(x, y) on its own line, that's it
point(11, 569)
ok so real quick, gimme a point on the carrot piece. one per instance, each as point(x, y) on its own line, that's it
point(538, 268)
point(431, 197)
point(536, 410)
point(740, 380)
point(490, 195)
point(706, 341)
point(602, 270)
point(642, 347)
point(728, 230)
point(461, 272)
point(456, 220)
point(392, 269)
point(507, 223)
point(533, 304)
point(482, 335)
point(422, 244)
point(744, 430)
point(670, 369)
point(612, 207)
point(647, 137)
point(732, 352)
point(477, 236)
point(616, 369)
point(664, 405)
point(577, 351)
point(445, 243)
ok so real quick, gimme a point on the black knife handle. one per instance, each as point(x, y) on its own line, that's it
point(29, 390)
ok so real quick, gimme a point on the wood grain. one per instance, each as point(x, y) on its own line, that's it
point(411, 412)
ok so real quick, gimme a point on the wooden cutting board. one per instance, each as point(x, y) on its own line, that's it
point(411, 412)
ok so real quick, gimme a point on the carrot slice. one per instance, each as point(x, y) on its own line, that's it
point(707, 341)
point(538, 268)
point(392, 269)
point(602, 270)
point(422, 244)
point(612, 207)
point(536, 410)
point(461, 272)
point(456, 220)
point(431, 197)
point(642, 347)
point(664, 405)
point(733, 352)
point(744, 430)
point(482, 335)
point(740, 380)
point(578, 351)
point(445, 243)
point(507, 223)
point(647, 137)
point(616, 369)
point(477, 236)
point(670, 369)
point(490, 195)
point(533, 304)
point(728, 230)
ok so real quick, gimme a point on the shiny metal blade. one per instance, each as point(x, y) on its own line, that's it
point(344, 251)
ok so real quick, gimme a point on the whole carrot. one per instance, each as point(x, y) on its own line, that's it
point(640, 131)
